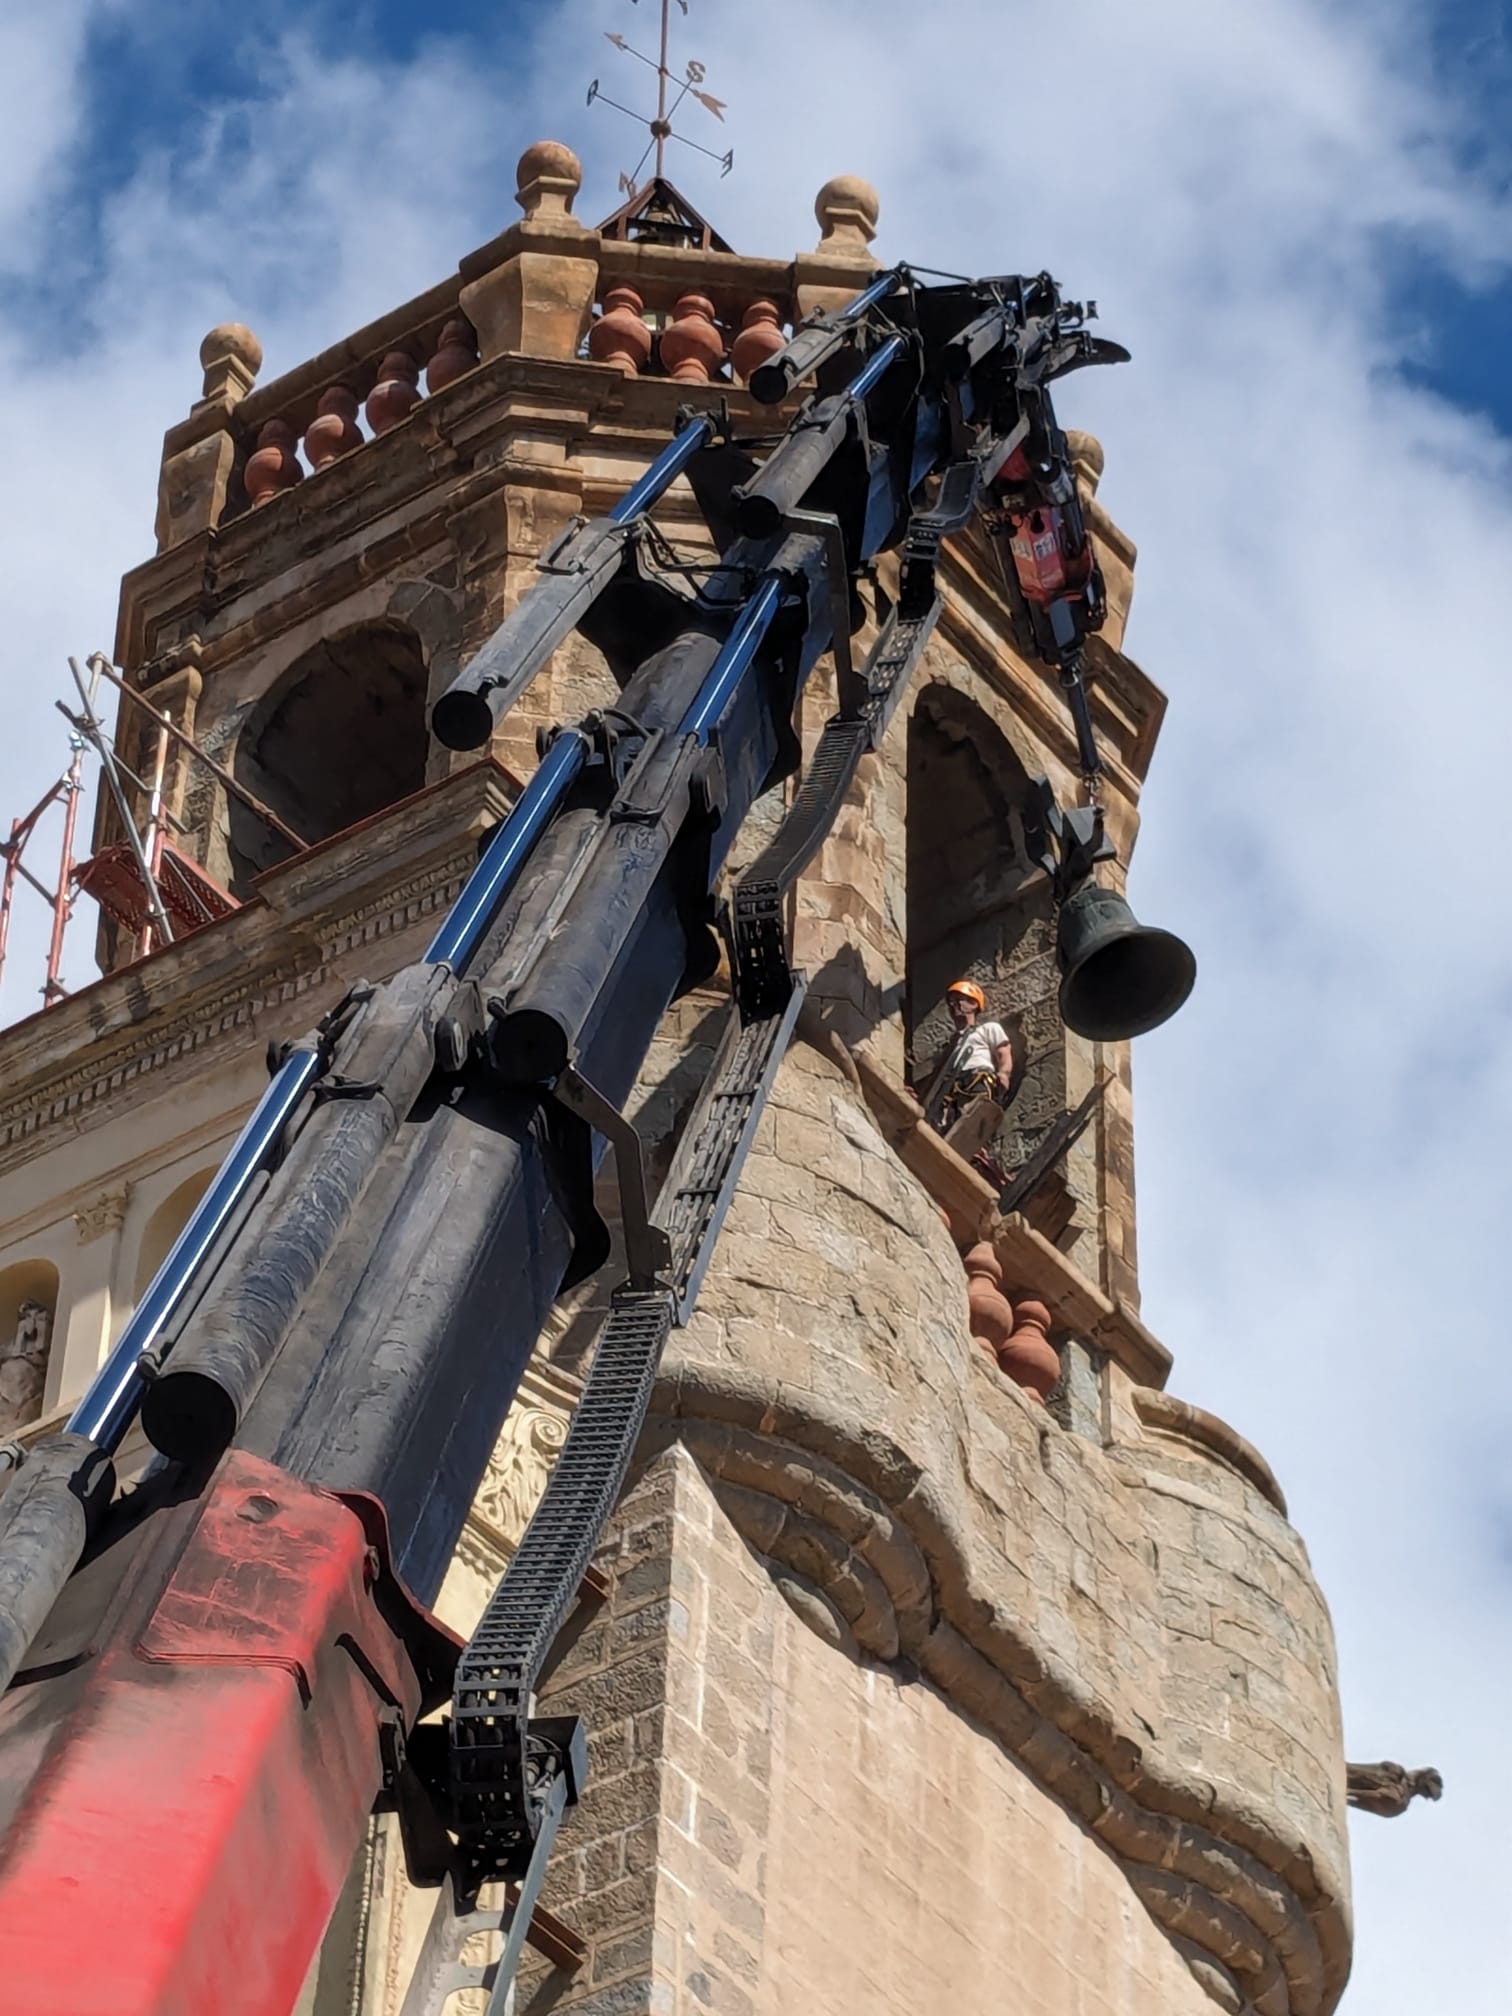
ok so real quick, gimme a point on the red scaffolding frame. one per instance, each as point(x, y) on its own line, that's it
point(150, 887)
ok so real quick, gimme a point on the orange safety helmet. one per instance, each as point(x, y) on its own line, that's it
point(972, 993)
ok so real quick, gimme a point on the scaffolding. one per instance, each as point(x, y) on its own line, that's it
point(150, 887)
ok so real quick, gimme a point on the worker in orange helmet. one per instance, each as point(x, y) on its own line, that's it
point(978, 1064)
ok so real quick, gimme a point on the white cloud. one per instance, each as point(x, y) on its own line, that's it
point(1322, 1130)
point(41, 49)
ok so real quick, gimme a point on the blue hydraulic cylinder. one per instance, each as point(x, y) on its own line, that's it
point(507, 852)
point(734, 660)
point(664, 471)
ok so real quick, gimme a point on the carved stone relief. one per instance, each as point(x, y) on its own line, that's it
point(23, 1366)
point(522, 1461)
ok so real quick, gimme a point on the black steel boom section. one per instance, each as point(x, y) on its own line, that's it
point(358, 1294)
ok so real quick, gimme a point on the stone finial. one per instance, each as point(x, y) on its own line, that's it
point(547, 178)
point(396, 393)
point(334, 431)
point(760, 337)
point(274, 466)
point(620, 335)
point(692, 349)
point(1027, 1356)
point(231, 358)
point(989, 1313)
point(1086, 459)
point(847, 209)
point(456, 354)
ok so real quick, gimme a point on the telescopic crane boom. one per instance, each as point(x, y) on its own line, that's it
point(214, 1675)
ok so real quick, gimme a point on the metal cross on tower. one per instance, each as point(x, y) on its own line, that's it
point(660, 126)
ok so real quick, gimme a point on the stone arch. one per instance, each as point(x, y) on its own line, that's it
point(165, 1225)
point(431, 612)
point(28, 1316)
point(976, 909)
point(338, 737)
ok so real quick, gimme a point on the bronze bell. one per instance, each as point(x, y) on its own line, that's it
point(1121, 977)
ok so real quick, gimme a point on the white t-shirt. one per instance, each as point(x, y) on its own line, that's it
point(975, 1049)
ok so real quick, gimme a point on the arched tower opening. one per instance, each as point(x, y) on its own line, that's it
point(977, 911)
point(165, 1225)
point(337, 738)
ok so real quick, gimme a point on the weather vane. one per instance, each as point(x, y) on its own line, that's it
point(660, 128)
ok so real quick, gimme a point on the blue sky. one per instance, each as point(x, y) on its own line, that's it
point(150, 76)
point(1296, 214)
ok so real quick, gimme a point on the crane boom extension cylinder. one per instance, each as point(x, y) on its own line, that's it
point(795, 465)
point(234, 1667)
point(819, 339)
point(576, 573)
point(111, 1404)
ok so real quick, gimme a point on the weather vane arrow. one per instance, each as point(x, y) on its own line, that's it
point(660, 126)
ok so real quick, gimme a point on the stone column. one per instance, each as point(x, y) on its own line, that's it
point(89, 1312)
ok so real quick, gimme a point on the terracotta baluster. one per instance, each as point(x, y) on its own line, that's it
point(692, 349)
point(274, 465)
point(396, 393)
point(456, 355)
point(619, 336)
point(334, 431)
point(1028, 1356)
point(760, 337)
point(988, 1310)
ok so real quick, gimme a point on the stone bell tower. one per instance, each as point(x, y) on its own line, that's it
point(938, 1658)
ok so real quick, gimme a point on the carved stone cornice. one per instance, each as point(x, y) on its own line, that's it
point(231, 985)
point(1210, 1436)
point(377, 508)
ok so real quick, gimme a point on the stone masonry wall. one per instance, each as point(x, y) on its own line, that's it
point(1118, 1640)
point(779, 1823)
